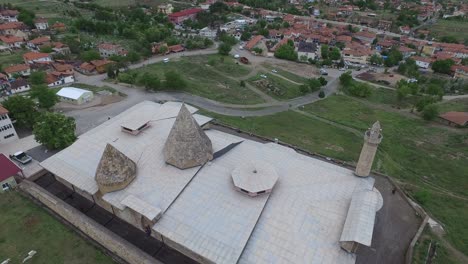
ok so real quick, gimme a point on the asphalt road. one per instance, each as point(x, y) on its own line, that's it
point(91, 117)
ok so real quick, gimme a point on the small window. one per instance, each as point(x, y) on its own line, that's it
point(260, 192)
point(244, 190)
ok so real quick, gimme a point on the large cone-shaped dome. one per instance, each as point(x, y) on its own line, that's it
point(115, 170)
point(187, 145)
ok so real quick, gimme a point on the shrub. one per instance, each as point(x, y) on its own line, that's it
point(322, 81)
point(422, 196)
point(321, 94)
point(304, 89)
point(430, 112)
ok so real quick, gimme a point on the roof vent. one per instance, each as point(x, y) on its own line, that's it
point(254, 178)
point(134, 127)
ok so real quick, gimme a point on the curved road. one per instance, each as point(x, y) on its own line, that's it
point(93, 116)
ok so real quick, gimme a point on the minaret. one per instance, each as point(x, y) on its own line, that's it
point(372, 139)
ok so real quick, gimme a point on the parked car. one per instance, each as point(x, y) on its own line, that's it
point(263, 76)
point(274, 71)
point(21, 157)
point(166, 60)
point(236, 56)
point(323, 72)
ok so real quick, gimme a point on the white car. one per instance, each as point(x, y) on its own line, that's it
point(166, 60)
point(241, 47)
point(274, 71)
point(263, 76)
point(236, 56)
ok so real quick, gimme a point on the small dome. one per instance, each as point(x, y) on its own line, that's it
point(115, 170)
point(254, 178)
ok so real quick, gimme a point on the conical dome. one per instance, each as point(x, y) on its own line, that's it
point(115, 170)
point(187, 145)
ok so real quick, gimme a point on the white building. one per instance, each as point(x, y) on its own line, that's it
point(422, 62)
point(7, 130)
point(207, 211)
point(41, 23)
point(75, 95)
point(207, 33)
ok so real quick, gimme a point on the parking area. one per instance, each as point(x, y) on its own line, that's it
point(128, 232)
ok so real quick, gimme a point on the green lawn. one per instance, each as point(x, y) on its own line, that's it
point(459, 105)
point(26, 227)
point(289, 75)
point(389, 97)
point(413, 151)
point(11, 59)
point(457, 29)
point(209, 77)
point(422, 246)
point(280, 88)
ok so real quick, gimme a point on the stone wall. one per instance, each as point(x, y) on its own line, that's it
point(115, 244)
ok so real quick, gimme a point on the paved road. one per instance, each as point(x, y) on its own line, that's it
point(93, 116)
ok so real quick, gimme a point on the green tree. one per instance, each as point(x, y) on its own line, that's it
point(46, 49)
point(224, 49)
point(45, 96)
point(304, 89)
point(54, 130)
point(90, 55)
point(443, 66)
point(133, 56)
point(314, 84)
point(430, 112)
point(346, 78)
point(174, 80)
point(435, 89)
point(149, 81)
point(246, 35)
point(394, 57)
point(242, 83)
point(321, 94)
point(423, 102)
point(403, 91)
point(376, 59)
point(22, 110)
point(286, 52)
point(322, 81)
point(335, 54)
point(359, 89)
point(38, 77)
point(324, 52)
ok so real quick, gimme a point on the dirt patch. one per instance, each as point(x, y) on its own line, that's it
point(110, 99)
point(30, 222)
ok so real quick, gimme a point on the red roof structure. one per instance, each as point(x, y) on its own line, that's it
point(459, 118)
point(186, 12)
point(9, 168)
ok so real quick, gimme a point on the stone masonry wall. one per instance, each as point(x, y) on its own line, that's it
point(95, 231)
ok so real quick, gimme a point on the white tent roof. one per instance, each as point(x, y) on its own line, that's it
point(72, 92)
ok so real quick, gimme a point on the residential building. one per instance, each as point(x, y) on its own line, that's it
point(422, 62)
point(41, 23)
point(101, 65)
point(356, 56)
point(208, 33)
point(10, 28)
point(86, 68)
point(107, 49)
point(307, 49)
point(9, 15)
point(406, 52)
point(405, 30)
point(457, 119)
point(59, 26)
point(37, 57)
point(460, 71)
point(255, 42)
point(18, 86)
point(181, 16)
point(12, 42)
point(365, 36)
point(175, 48)
point(7, 130)
point(57, 78)
point(75, 95)
point(165, 9)
point(18, 69)
point(7, 173)
point(60, 48)
point(36, 43)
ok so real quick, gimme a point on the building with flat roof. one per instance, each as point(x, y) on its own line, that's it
point(217, 197)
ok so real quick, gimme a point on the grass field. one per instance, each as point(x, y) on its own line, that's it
point(389, 97)
point(419, 154)
point(422, 246)
point(286, 89)
point(457, 29)
point(26, 227)
point(459, 105)
point(11, 59)
point(210, 77)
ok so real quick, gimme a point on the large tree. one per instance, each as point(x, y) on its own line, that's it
point(54, 130)
point(335, 54)
point(22, 110)
point(224, 49)
point(45, 97)
point(90, 55)
point(38, 77)
point(174, 80)
point(286, 51)
point(443, 66)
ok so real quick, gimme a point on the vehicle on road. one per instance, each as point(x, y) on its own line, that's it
point(241, 47)
point(236, 56)
point(274, 71)
point(21, 157)
point(166, 60)
point(323, 72)
point(263, 76)
point(342, 69)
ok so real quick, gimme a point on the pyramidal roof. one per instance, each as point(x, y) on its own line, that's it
point(187, 144)
point(115, 170)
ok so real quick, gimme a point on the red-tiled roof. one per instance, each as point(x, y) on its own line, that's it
point(459, 118)
point(40, 40)
point(8, 168)
point(176, 48)
point(253, 42)
point(16, 68)
point(3, 110)
point(185, 12)
point(40, 20)
point(11, 25)
point(11, 39)
point(34, 55)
